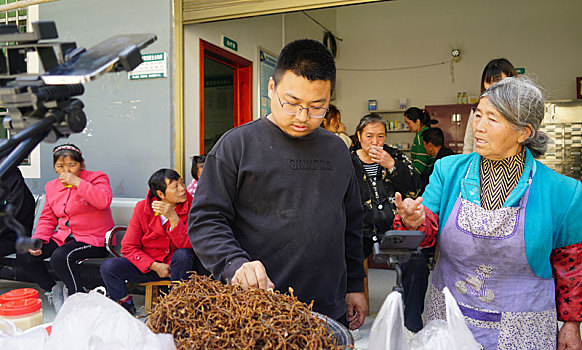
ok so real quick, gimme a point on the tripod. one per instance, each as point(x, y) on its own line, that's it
point(41, 107)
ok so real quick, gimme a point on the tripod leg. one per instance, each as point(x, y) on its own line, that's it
point(22, 151)
point(398, 287)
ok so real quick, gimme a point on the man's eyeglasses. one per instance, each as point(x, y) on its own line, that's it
point(295, 109)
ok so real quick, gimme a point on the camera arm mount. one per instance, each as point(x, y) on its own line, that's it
point(42, 106)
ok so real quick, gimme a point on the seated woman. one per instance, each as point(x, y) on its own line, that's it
point(508, 229)
point(197, 165)
point(156, 244)
point(72, 225)
point(382, 171)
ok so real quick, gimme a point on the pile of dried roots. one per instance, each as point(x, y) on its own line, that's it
point(206, 314)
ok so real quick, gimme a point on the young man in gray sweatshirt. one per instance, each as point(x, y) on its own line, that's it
point(277, 205)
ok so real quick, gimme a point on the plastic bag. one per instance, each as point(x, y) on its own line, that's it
point(388, 332)
point(11, 337)
point(388, 327)
point(93, 321)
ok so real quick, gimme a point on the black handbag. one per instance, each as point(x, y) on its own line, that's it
point(383, 216)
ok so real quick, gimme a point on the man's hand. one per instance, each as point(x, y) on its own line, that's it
point(382, 157)
point(68, 180)
point(357, 309)
point(252, 274)
point(569, 336)
point(163, 270)
point(410, 210)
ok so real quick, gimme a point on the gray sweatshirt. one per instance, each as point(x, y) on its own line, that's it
point(291, 203)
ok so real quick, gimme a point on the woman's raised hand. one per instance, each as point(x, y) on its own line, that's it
point(69, 179)
point(381, 157)
point(410, 210)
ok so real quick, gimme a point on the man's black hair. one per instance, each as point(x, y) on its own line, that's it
point(158, 180)
point(434, 136)
point(306, 58)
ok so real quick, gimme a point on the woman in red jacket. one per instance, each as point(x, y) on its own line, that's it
point(156, 244)
point(72, 225)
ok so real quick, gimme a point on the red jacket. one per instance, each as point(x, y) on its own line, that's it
point(147, 241)
point(83, 211)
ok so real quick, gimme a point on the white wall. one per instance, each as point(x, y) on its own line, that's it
point(130, 127)
point(268, 32)
point(542, 36)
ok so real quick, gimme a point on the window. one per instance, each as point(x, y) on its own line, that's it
point(22, 18)
point(17, 17)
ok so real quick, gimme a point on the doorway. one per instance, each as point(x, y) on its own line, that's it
point(225, 93)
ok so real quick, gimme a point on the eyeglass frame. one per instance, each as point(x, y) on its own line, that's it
point(301, 108)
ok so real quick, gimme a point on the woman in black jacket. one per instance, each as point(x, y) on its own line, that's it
point(381, 172)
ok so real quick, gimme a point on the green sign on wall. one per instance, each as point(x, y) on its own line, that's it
point(229, 43)
point(155, 65)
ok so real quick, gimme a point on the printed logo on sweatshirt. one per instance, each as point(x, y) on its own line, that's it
point(309, 164)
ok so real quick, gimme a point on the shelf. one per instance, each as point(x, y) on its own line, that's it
point(405, 130)
point(400, 149)
point(386, 111)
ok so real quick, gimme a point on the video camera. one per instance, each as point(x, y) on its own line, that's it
point(42, 106)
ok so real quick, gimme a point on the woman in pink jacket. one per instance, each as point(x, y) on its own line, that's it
point(72, 225)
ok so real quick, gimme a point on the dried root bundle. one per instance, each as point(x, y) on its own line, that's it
point(206, 314)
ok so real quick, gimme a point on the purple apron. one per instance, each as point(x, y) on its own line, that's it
point(483, 263)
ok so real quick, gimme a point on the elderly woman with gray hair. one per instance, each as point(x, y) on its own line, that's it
point(508, 229)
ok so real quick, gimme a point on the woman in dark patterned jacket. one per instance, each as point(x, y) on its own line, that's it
point(381, 172)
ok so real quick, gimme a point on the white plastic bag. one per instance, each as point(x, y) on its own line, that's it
point(388, 329)
point(92, 321)
point(460, 335)
point(11, 337)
